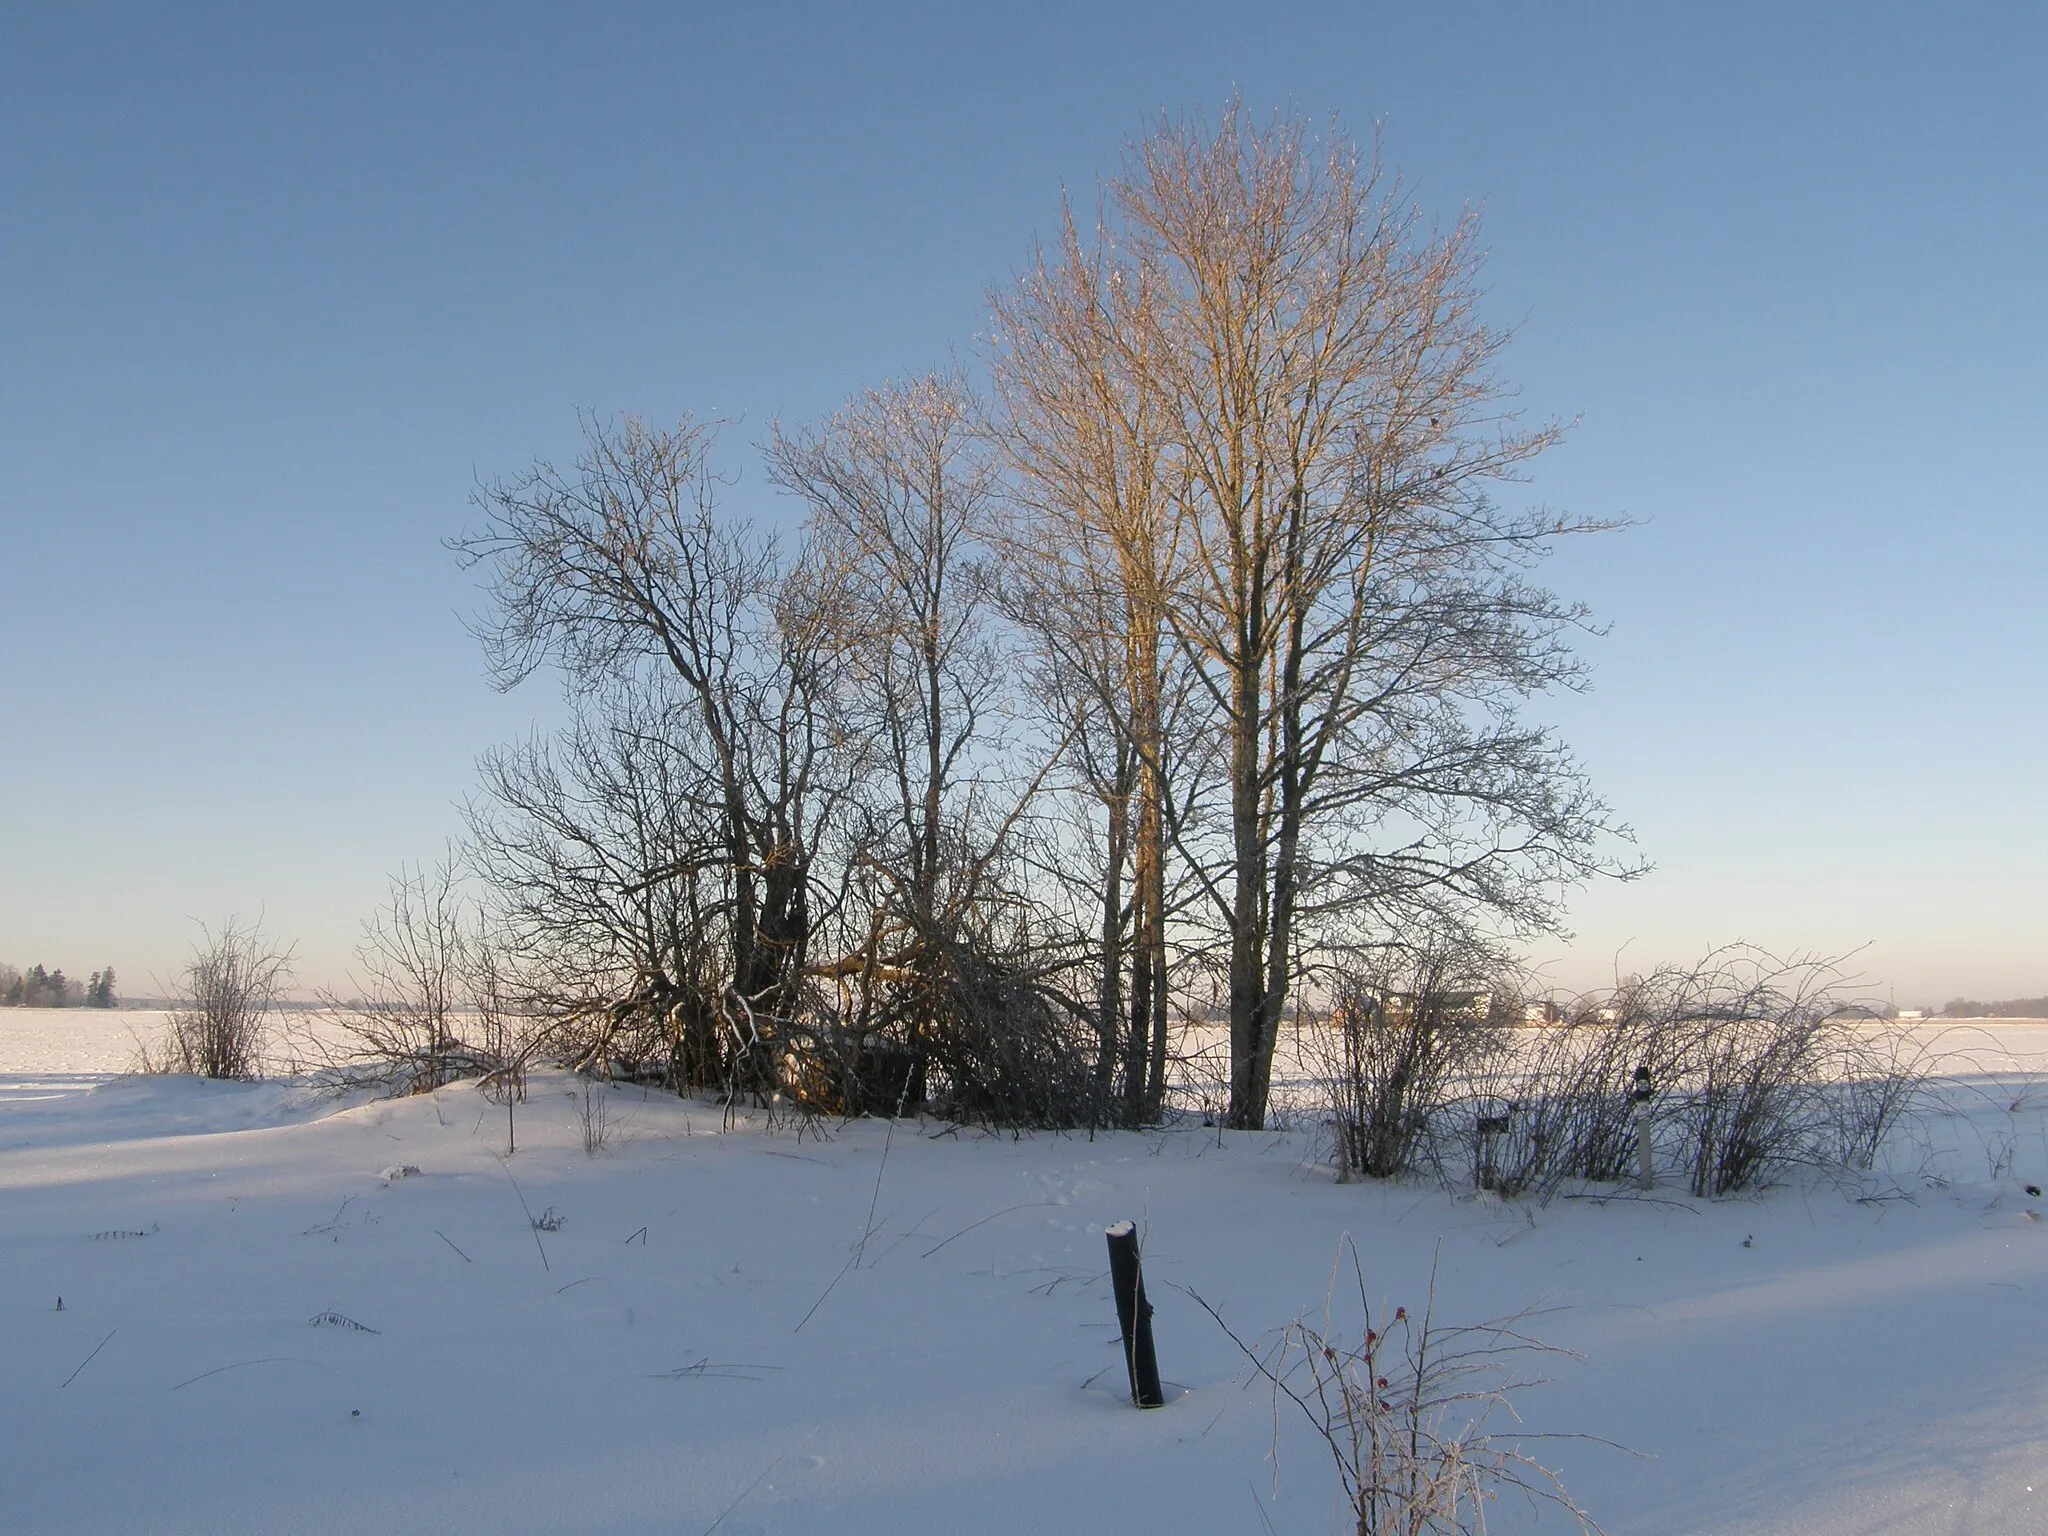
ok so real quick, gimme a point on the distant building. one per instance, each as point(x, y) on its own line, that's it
point(1464, 1007)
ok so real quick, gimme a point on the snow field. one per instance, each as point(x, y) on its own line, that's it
point(909, 1329)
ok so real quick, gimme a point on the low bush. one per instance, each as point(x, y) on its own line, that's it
point(231, 986)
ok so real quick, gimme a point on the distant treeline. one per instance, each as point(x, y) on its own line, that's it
point(2011, 1008)
point(38, 988)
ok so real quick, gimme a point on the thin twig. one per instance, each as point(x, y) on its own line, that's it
point(909, 1232)
point(266, 1360)
point(451, 1243)
point(1264, 1519)
point(860, 1248)
point(87, 1360)
point(704, 1368)
point(1027, 1205)
point(333, 1221)
point(1628, 1197)
point(735, 1504)
point(532, 1225)
point(843, 1270)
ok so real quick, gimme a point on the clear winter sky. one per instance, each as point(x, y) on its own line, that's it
point(277, 283)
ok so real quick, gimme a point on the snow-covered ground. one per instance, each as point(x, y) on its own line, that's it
point(704, 1342)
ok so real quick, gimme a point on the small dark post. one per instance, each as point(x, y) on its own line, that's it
point(1134, 1315)
point(1640, 1095)
point(1485, 1173)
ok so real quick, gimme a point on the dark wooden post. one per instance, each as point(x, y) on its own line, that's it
point(1485, 1166)
point(1134, 1315)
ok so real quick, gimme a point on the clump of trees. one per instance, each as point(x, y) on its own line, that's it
point(38, 988)
point(2009, 1008)
point(1155, 684)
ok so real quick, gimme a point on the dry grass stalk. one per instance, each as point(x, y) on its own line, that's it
point(1404, 1409)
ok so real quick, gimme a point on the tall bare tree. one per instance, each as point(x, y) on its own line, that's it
point(900, 488)
point(1247, 445)
point(1086, 433)
point(899, 492)
point(1266, 340)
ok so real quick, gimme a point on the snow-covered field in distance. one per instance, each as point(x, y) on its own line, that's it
point(74, 1039)
point(704, 1340)
point(105, 1041)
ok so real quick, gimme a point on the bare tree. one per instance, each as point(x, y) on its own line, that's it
point(900, 489)
point(898, 494)
point(422, 1013)
point(1250, 594)
point(1094, 559)
point(622, 569)
point(1317, 390)
point(605, 851)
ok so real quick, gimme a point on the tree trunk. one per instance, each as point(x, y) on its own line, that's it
point(1109, 1000)
point(1249, 1040)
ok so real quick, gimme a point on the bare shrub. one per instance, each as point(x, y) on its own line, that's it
point(231, 986)
point(416, 1022)
point(1408, 1036)
point(1563, 1093)
point(1756, 1064)
point(593, 1118)
point(1753, 1108)
point(1005, 1053)
point(1201, 1075)
point(506, 1086)
point(510, 1032)
point(1883, 1079)
point(1753, 1094)
point(1404, 1409)
point(962, 1023)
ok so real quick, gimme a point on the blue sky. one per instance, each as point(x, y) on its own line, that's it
point(277, 284)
